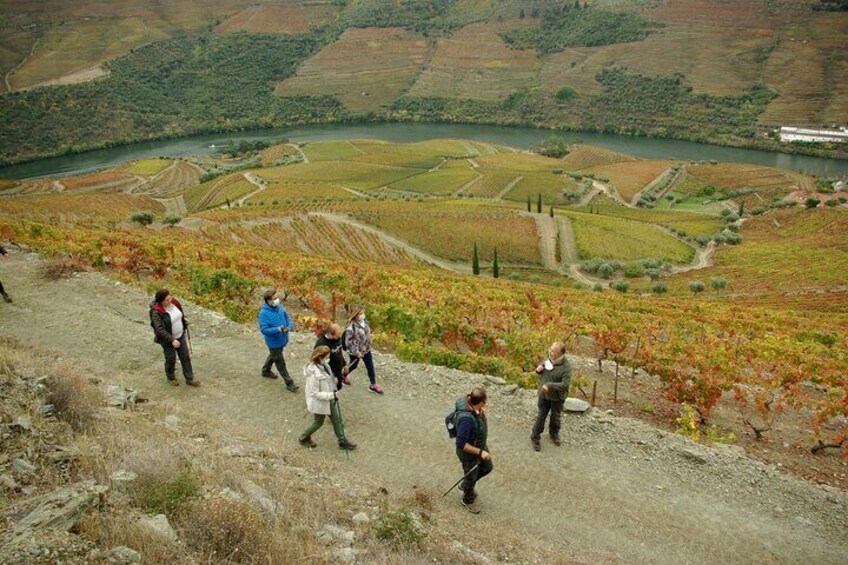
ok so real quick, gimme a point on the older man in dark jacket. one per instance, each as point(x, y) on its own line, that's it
point(554, 380)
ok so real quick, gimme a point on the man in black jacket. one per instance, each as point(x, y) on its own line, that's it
point(554, 380)
point(332, 338)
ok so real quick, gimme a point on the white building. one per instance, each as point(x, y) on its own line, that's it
point(839, 135)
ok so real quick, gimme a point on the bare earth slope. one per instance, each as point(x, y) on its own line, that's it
point(616, 491)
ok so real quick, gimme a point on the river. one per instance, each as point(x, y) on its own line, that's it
point(522, 138)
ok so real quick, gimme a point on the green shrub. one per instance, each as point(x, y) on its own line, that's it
point(812, 203)
point(400, 528)
point(718, 283)
point(142, 218)
point(166, 495)
point(565, 93)
point(696, 286)
point(659, 288)
point(621, 286)
point(172, 219)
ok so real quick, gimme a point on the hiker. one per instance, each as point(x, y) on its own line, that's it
point(332, 338)
point(322, 399)
point(6, 297)
point(471, 448)
point(554, 379)
point(275, 324)
point(170, 329)
point(357, 341)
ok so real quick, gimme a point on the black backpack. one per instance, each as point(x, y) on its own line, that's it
point(452, 421)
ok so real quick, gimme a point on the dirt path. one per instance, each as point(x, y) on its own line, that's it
point(611, 192)
point(174, 205)
point(468, 185)
point(617, 491)
point(703, 259)
point(651, 185)
point(568, 250)
point(546, 228)
point(254, 180)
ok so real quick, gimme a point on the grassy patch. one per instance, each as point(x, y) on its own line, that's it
point(149, 167)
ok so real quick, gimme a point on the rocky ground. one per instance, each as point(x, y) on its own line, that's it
point(618, 490)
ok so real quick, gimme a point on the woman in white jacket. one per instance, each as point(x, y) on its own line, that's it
point(322, 399)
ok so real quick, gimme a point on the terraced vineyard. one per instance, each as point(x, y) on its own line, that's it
point(622, 239)
point(631, 177)
point(294, 192)
point(216, 192)
point(521, 162)
point(494, 182)
point(548, 185)
point(441, 182)
point(111, 181)
point(290, 17)
point(767, 182)
point(587, 156)
point(693, 224)
point(344, 173)
point(452, 235)
point(70, 207)
point(178, 176)
point(271, 155)
point(330, 150)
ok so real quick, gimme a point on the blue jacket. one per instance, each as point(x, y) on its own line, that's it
point(271, 319)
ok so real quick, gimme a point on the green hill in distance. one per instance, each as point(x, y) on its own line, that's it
point(84, 75)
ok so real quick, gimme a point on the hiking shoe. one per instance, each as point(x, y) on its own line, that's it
point(555, 440)
point(346, 380)
point(307, 442)
point(537, 445)
point(471, 507)
point(269, 375)
point(291, 387)
point(376, 389)
point(193, 382)
point(347, 445)
point(173, 382)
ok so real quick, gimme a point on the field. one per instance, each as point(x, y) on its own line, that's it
point(587, 156)
point(290, 192)
point(766, 182)
point(149, 167)
point(494, 182)
point(71, 207)
point(452, 235)
point(330, 150)
point(630, 178)
point(273, 154)
point(622, 239)
point(787, 252)
point(366, 69)
point(217, 191)
point(341, 173)
point(284, 17)
point(442, 181)
point(693, 224)
point(548, 185)
point(63, 38)
point(475, 63)
point(113, 181)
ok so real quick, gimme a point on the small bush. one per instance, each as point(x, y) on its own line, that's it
point(696, 286)
point(166, 494)
point(621, 286)
point(606, 270)
point(565, 93)
point(659, 288)
point(718, 283)
point(74, 399)
point(172, 219)
point(401, 528)
point(634, 270)
point(812, 203)
point(832, 203)
point(598, 287)
point(142, 218)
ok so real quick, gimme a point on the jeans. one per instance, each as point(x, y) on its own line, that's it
point(275, 357)
point(545, 406)
point(318, 421)
point(468, 483)
point(171, 355)
point(369, 366)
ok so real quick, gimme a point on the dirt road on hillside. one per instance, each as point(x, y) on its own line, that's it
point(617, 491)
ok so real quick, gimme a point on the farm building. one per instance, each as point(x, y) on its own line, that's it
point(839, 135)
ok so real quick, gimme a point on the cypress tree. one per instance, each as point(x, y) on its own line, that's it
point(539, 204)
point(741, 209)
point(495, 269)
point(528, 204)
point(475, 261)
point(552, 211)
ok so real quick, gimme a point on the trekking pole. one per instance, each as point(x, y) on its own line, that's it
point(188, 340)
point(474, 468)
point(341, 423)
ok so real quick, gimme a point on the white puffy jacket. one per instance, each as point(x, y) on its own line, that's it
point(320, 388)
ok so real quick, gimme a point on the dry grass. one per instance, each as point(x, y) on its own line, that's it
point(75, 400)
point(62, 267)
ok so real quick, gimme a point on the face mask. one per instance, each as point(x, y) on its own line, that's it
point(548, 364)
point(361, 317)
point(276, 302)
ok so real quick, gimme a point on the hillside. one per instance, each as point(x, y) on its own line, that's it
point(618, 491)
point(78, 76)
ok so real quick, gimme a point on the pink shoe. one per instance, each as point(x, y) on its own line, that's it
point(346, 380)
point(377, 389)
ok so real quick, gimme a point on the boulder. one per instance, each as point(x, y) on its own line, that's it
point(495, 380)
point(23, 466)
point(576, 405)
point(120, 397)
point(59, 510)
point(159, 526)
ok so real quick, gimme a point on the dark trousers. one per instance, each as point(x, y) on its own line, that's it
point(555, 409)
point(275, 357)
point(2, 290)
point(369, 366)
point(481, 471)
point(171, 355)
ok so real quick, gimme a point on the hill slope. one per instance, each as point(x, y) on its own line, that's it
point(617, 491)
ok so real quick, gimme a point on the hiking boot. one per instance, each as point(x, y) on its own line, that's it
point(472, 507)
point(346, 380)
point(376, 389)
point(193, 382)
point(269, 375)
point(291, 387)
point(173, 382)
point(555, 440)
point(537, 445)
point(307, 442)
point(347, 445)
